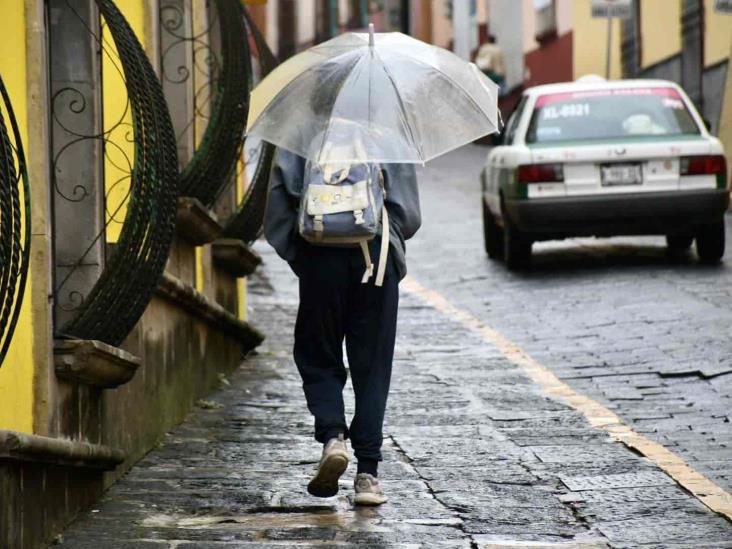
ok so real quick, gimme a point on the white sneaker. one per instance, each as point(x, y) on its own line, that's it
point(368, 490)
point(332, 465)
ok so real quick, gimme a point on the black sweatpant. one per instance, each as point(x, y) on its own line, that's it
point(334, 305)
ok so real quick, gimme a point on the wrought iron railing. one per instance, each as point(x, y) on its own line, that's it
point(152, 180)
point(246, 223)
point(131, 274)
point(223, 99)
point(15, 220)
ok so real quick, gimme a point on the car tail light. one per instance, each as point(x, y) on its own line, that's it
point(703, 165)
point(540, 173)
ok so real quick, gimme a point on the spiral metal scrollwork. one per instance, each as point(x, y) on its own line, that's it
point(246, 223)
point(125, 287)
point(215, 160)
point(15, 222)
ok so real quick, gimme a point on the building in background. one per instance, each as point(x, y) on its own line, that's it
point(547, 41)
point(541, 41)
point(686, 41)
point(291, 26)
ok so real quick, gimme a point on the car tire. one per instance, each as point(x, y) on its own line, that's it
point(492, 234)
point(678, 243)
point(710, 241)
point(516, 246)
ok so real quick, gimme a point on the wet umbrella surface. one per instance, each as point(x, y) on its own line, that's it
point(373, 97)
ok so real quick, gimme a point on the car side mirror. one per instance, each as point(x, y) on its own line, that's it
point(707, 124)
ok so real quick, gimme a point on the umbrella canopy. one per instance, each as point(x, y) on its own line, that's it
point(382, 97)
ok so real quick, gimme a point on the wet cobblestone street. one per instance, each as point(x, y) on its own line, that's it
point(476, 455)
point(644, 333)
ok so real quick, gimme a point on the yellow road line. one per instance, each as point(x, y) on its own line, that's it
point(711, 495)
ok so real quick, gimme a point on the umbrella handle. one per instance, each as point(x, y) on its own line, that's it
point(371, 35)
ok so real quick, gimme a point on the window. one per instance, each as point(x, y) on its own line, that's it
point(326, 20)
point(357, 16)
point(624, 113)
point(546, 20)
point(630, 45)
point(514, 121)
point(287, 21)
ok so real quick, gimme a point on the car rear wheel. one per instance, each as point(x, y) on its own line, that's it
point(710, 242)
point(492, 234)
point(516, 246)
point(679, 243)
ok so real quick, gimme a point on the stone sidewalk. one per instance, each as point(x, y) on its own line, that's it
point(475, 457)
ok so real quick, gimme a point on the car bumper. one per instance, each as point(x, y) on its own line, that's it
point(674, 212)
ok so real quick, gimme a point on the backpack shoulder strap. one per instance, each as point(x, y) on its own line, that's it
point(384, 252)
point(367, 259)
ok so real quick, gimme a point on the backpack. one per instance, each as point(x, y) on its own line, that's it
point(343, 206)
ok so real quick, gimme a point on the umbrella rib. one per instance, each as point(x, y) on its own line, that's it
point(330, 115)
point(401, 107)
point(452, 81)
point(284, 88)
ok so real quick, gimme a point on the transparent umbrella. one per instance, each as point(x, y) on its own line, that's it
point(382, 97)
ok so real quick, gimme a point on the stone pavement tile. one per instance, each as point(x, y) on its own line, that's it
point(668, 528)
point(664, 492)
point(499, 542)
point(550, 531)
point(428, 534)
point(117, 544)
point(548, 439)
point(460, 451)
point(287, 543)
point(598, 472)
point(498, 472)
point(650, 477)
point(612, 511)
point(607, 453)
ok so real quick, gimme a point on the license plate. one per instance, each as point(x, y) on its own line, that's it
point(621, 174)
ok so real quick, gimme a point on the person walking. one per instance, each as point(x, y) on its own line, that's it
point(336, 305)
point(351, 118)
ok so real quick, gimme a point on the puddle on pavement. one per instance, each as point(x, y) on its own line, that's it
point(252, 521)
point(275, 518)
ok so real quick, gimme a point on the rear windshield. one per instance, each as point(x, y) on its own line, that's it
point(608, 114)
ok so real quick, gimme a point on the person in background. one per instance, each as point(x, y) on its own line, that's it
point(489, 59)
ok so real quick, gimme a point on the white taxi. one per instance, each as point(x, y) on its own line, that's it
point(603, 158)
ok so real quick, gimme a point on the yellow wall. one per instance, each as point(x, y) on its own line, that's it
point(660, 29)
point(718, 37)
point(590, 43)
point(241, 184)
point(201, 77)
point(442, 31)
point(119, 151)
point(16, 373)
point(725, 121)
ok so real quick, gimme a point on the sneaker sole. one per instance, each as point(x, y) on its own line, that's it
point(367, 499)
point(325, 483)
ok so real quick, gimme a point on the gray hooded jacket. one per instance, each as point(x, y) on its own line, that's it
point(280, 221)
